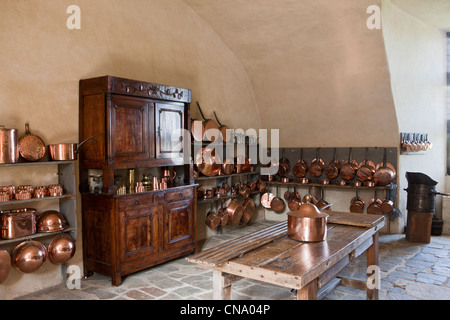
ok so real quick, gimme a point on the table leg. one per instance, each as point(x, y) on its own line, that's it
point(221, 287)
point(372, 260)
point(308, 292)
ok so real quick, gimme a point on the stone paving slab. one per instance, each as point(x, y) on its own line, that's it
point(409, 271)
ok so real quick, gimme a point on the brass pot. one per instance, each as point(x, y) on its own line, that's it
point(61, 249)
point(29, 256)
point(308, 223)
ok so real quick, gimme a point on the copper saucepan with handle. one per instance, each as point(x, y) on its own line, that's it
point(210, 126)
point(31, 147)
point(225, 132)
point(317, 166)
point(332, 169)
point(301, 167)
point(366, 169)
point(348, 170)
point(66, 151)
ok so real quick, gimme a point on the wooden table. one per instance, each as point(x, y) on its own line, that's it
point(269, 255)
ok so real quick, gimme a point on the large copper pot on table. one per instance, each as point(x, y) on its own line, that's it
point(308, 223)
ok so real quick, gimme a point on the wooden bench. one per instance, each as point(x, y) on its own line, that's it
point(268, 255)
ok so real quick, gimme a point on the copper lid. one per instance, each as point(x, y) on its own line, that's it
point(308, 210)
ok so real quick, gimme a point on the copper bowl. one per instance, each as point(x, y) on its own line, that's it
point(51, 221)
point(61, 249)
point(29, 256)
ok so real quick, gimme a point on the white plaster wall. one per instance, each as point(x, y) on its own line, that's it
point(416, 56)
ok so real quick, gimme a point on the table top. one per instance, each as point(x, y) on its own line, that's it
point(270, 255)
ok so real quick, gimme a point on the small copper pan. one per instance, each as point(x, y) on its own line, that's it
point(348, 170)
point(277, 204)
point(333, 168)
point(235, 210)
point(366, 169)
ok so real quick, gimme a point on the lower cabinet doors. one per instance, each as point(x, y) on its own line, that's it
point(179, 224)
point(141, 235)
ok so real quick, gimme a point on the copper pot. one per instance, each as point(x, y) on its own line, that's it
point(284, 167)
point(225, 132)
point(5, 265)
point(9, 149)
point(212, 220)
point(301, 167)
point(66, 151)
point(308, 223)
point(17, 223)
point(207, 162)
point(277, 204)
point(385, 172)
point(211, 127)
point(51, 221)
point(197, 130)
point(61, 249)
point(357, 205)
point(366, 170)
point(223, 217)
point(249, 208)
point(235, 210)
point(374, 207)
point(266, 199)
point(317, 166)
point(31, 147)
point(29, 256)
point(348, 170)
point(333, 168)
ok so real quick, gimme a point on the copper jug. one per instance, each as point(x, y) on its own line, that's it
point(168, 178)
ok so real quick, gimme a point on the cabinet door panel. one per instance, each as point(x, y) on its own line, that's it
point(179, 223)
point(129, 129)
point(169, 122)
point(140, 232)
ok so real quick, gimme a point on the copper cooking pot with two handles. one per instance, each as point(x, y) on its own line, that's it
point(308, 223)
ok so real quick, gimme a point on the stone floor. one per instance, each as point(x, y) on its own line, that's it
point(409, 271)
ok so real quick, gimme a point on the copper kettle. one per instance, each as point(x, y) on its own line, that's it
point(308, 223)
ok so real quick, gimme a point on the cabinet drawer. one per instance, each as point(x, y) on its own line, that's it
point(179, 194)
point(139, 200)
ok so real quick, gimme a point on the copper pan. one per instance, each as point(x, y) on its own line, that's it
point(227, 167)
point(5, 265)
point(284, 167)
point(366, 169)
point(61, 249)
point(197, 130)
point(266, 199)
point(234, 210)
point(225, 132)
point(317, 166)
point(211, 127)
point(277, 204)
point(388, 204)
point(66, 151)
point(333, 168)
point(212, 220)
point(31, 147)
point(357, 204)
point(249, 208)
point(301, 167)
point(374, 206)
point(385, 172)
point(348, 170)
point(207, 162)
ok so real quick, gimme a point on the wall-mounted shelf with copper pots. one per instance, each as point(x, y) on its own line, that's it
point(414, 143)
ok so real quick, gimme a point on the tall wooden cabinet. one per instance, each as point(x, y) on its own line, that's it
point(135, 125)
